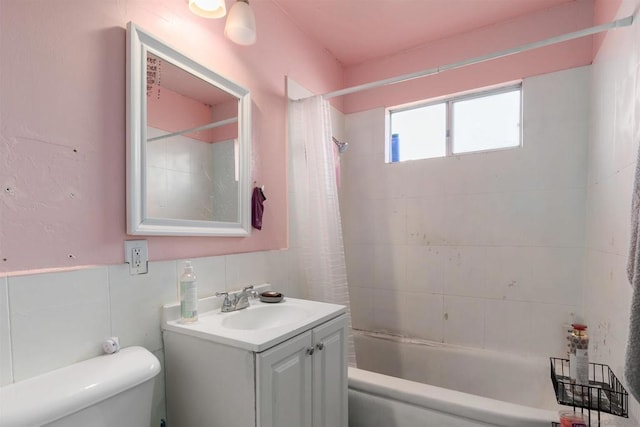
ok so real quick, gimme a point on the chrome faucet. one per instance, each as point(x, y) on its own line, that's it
point(237, 300)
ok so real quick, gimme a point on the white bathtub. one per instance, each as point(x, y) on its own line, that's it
point(405, 383)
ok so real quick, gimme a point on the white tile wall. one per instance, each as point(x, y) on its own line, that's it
point(57, 319)
point(362, 308)
point(52, 320)
point(136, 302)
point(407, 313)
point(494, 240)
point(613, 147)
point(6, 370)
point(176, 163)
point(464, 321)
point(507, 325)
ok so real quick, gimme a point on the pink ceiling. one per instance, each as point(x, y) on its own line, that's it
point(355, 31)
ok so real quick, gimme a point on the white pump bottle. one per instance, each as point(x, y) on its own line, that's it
point(188, 295)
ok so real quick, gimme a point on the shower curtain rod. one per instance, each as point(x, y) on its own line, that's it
point(195, 129)
point(623, 22)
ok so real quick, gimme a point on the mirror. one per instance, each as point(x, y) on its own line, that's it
point(188, 145)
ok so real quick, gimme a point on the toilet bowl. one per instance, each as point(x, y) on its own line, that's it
point(109, 390)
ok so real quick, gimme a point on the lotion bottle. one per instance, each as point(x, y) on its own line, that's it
point(188, 295)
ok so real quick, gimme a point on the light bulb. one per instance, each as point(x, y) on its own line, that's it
point(240, 27)
point(208, 8)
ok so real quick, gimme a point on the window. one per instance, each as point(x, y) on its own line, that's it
point(480, 121)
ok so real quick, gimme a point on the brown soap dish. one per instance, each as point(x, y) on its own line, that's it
point(271, 296)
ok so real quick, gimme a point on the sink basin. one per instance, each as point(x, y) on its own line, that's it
point(264, 317)
point(256, 328)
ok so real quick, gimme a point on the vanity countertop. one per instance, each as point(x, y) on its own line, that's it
point(256, 328)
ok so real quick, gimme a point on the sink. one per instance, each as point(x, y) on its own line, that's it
point(264, 317)
point(256, 328)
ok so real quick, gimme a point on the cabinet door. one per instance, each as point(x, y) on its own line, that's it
point(284, 384)
point(330, 374)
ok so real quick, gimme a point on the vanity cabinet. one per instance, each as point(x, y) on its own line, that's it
point(303, 381)
point(300, 381)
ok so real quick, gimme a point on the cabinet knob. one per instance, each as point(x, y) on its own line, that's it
point(310, 351)
point(320, 346)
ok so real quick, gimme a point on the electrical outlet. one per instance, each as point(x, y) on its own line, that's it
point(136, 254)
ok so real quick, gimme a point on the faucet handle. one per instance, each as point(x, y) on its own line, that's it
point(227, 302)
point(250, 291)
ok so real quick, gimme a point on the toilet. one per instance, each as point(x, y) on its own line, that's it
point(109, 390)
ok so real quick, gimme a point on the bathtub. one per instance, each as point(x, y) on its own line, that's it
point(408, 383)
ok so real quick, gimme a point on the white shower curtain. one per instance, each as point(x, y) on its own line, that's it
point(315, 205)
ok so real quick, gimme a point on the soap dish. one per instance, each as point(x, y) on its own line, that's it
point(271, 296)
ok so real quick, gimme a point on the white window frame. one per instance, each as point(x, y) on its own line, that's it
point(449, 101)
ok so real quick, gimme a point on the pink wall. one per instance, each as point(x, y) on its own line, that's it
point(62, 150)
point(560, 20)
point(221, 112)
point(173, 112)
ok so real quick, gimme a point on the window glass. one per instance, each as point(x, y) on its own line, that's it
point(486, 123)
point(419, 133)
point(482, 121)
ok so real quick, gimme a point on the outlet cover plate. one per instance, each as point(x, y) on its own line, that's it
point(136, 254)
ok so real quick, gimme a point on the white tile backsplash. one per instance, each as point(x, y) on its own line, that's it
point(246, 269)
point(136, 302)
point(295, 273)
point(57, 319)
point(210, 275)
point(52, 320)
point(278, 272)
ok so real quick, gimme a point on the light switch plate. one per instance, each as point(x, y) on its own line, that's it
point(136, 254)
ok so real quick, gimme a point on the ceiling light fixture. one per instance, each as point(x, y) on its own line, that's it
point(240, 27)
point(208, 8)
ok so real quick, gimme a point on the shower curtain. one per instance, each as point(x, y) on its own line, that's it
point(316, 207)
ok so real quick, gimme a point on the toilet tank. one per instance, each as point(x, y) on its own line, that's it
point(109, 390)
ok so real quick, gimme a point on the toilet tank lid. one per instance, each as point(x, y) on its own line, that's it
point(59, 393)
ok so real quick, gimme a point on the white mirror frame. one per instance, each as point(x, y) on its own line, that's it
point(139, 42)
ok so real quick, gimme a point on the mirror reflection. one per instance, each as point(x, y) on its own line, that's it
point(192, 146)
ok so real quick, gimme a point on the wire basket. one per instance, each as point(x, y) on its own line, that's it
point(604, 393)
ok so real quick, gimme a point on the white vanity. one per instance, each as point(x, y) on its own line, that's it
point(269, 365)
